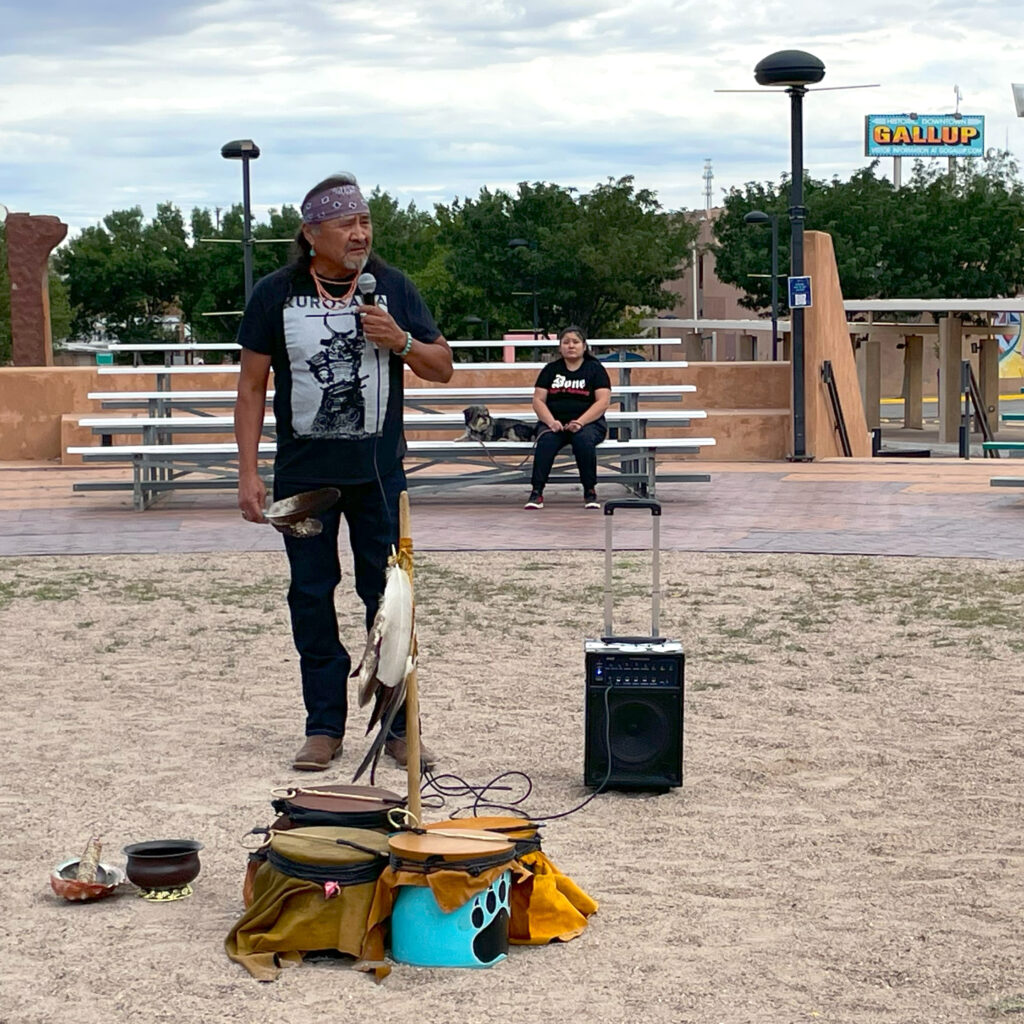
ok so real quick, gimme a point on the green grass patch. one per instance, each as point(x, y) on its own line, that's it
point(1007, 1005)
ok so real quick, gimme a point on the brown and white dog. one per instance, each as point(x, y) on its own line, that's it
point(482, 426)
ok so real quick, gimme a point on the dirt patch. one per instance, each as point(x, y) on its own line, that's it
point(847, 845)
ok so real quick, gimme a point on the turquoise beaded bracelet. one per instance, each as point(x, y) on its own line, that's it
point(408, 346)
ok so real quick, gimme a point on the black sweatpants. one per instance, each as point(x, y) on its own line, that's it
point(584, 447)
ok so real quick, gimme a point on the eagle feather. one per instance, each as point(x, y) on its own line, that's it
point(389, 657)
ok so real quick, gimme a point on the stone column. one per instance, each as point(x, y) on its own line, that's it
point(30, 240)
point(693, 348)
point(988, 377)
point(913, 377)
point(869, 366)
point(950, 354)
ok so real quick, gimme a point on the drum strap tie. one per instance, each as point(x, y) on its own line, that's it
point(472, 866)
point(343, 874)
point(304, 816)
point(525, 846)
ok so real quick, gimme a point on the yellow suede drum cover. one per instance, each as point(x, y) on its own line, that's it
point(544, 906)
point(314, 892)
point(441, 862)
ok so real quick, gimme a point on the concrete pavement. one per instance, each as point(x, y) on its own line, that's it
point(920, 507)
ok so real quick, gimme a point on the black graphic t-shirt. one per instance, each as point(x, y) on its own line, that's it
point(572, 392)
point(338, 397)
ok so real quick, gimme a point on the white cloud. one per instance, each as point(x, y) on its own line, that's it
point(436, 100)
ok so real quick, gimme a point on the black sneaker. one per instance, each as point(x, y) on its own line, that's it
point(536, 500)
point(590, 499)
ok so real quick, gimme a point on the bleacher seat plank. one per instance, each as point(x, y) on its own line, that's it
point(160, 467)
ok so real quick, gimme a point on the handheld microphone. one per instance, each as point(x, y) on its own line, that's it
point(366, 286)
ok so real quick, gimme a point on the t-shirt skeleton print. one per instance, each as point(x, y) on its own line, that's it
point(331, 363)
point(338, 397)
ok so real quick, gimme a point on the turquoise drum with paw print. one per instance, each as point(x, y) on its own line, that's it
point(455, 911)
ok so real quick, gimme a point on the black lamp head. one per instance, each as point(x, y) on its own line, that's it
point(240, 149)
point(788, 68)
point(756, 217)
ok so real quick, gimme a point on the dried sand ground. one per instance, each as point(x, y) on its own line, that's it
point(848, 845)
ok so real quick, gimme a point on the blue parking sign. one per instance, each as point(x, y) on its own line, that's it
point(799, 292)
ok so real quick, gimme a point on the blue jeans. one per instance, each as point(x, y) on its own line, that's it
point(584, 447)
point(324, 663)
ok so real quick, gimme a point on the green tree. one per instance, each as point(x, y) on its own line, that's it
point(954, 236)
point(124, 275)
point(212, 281)
point(591, 257)
point(959, 235)
point(60, 305)
point(598, 259)
point(214, 271)
point(407, 238)
point(131, 279)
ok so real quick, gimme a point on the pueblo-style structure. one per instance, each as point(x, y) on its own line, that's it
point(30, 240)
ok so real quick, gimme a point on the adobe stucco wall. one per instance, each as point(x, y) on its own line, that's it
point(747, 404)
point(33, 400)
point(827, 337)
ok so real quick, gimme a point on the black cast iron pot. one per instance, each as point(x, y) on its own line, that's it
point(163, 863)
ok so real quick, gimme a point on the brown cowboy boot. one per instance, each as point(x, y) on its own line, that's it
point(316, 754)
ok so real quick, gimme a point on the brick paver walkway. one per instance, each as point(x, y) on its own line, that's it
point(925, 507)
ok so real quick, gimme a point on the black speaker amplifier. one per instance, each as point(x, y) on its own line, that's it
point(634, 694)
point(634, 713)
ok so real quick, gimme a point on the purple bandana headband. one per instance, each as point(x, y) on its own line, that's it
point(337, 201)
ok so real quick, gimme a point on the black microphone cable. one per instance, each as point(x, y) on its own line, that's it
point(439, 786)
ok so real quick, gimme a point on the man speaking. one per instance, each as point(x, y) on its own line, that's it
point(338, 326)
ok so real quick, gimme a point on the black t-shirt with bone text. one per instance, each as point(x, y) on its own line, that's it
point(572, 392)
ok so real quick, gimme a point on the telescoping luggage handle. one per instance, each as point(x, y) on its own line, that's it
point(609, 511)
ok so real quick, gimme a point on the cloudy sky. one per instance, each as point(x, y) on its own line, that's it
point(118, 103)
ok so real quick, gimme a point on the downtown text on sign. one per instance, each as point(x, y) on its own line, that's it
point(924, 135)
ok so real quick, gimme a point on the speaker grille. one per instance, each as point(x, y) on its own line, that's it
point(640, 729)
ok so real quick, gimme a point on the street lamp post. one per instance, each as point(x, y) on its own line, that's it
point(244, 150)
point(522, 243)
point(795, 70)
point(473, 319)
point(758, 217)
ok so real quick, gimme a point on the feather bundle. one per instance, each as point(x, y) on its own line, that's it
point(389, 657)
